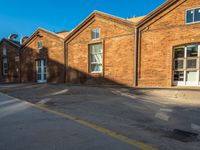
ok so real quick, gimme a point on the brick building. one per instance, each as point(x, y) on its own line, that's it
point(101, 50)
point(169, 45)
point(43, 57)
point(9, 61)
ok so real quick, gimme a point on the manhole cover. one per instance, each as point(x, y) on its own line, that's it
point(183, 136)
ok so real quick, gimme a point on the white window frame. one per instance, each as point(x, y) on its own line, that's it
point(194, 22)
point(185, 70)
point(92, 63)
point(38, 45)
point(93, 30)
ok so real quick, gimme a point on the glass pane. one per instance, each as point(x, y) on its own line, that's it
point(96, 58)
point(191, 63)
point(191, 76)
point(178, 76)
point(96, 67)
point(189, 16)
point(39, 77)
point(45, 77)
point(39, 70)
point(40, 44)
point(179, 64)
point(179, 53)
point(197, 15)
point(44, 62)
point(192, 51)
point(5, 65)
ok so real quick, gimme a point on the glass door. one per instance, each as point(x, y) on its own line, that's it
point(187, 65)
point(41, 71)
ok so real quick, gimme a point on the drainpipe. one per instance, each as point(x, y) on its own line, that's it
point(135, 58)
point(65, 62)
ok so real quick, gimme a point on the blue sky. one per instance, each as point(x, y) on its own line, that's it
point(24, 16)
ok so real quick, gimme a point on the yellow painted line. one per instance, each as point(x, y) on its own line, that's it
point(108, 132)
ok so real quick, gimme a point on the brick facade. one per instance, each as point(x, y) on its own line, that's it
point(13, 62)
point(117, 38)
point(52, 52)
point(158, 36)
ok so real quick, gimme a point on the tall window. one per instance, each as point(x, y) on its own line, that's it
point(95, 34)
point(96, 54)
point(5, 66)
point(39, 45)
point(4, 51)
point(193, 16)
point(186, 65)
point(5, 62)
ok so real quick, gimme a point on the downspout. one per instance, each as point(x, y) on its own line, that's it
point(65, 62)
point(20, 63)
point(135, 58)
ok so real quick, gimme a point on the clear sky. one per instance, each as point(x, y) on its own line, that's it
point(23, 17)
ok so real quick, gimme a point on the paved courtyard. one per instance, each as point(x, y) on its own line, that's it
point(152, 120)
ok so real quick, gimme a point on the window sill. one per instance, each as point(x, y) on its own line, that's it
point(96, 72)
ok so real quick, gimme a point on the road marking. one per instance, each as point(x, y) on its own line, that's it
point(100, 129)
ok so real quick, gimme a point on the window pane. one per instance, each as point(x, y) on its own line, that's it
point(45, 77)
point(179, 64)
point(189, 16)
point(95, 33)
point(197, 15)
point(96, 67)
point(192, 51)
point(178, 76)
point(179, 53)
point(191, 76)
point(4, 51)
point(191, 63)
point(39, 77)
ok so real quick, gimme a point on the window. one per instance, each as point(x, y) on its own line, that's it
point(95, 34)
point(95, 51)
point(193, 16)
point(40, 45)
point(5, 66)
point(4, 51)
point(187, 65)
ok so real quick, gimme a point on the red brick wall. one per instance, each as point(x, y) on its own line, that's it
point(13, 74)
point(118, 53)
point(53, 52)
point(158, 37)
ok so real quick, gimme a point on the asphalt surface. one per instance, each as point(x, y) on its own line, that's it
point(23, 127)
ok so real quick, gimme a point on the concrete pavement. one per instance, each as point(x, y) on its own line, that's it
point(23, 127)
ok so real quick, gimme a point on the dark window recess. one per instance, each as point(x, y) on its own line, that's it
point(192, 51)
point(179, 64)
point(190, 16)
point(178, 76)
point(197, 15)
point(179, 53)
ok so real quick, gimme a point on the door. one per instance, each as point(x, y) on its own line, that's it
point(187, 65)
point(41, 71)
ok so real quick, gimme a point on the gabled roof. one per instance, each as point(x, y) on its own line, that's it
point(157, 11)
point(62, 34)
point(101, 14)
point(37, 31)
point(136, 19)
point(14, 43)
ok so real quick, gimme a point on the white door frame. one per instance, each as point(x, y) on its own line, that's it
point(41, 75)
